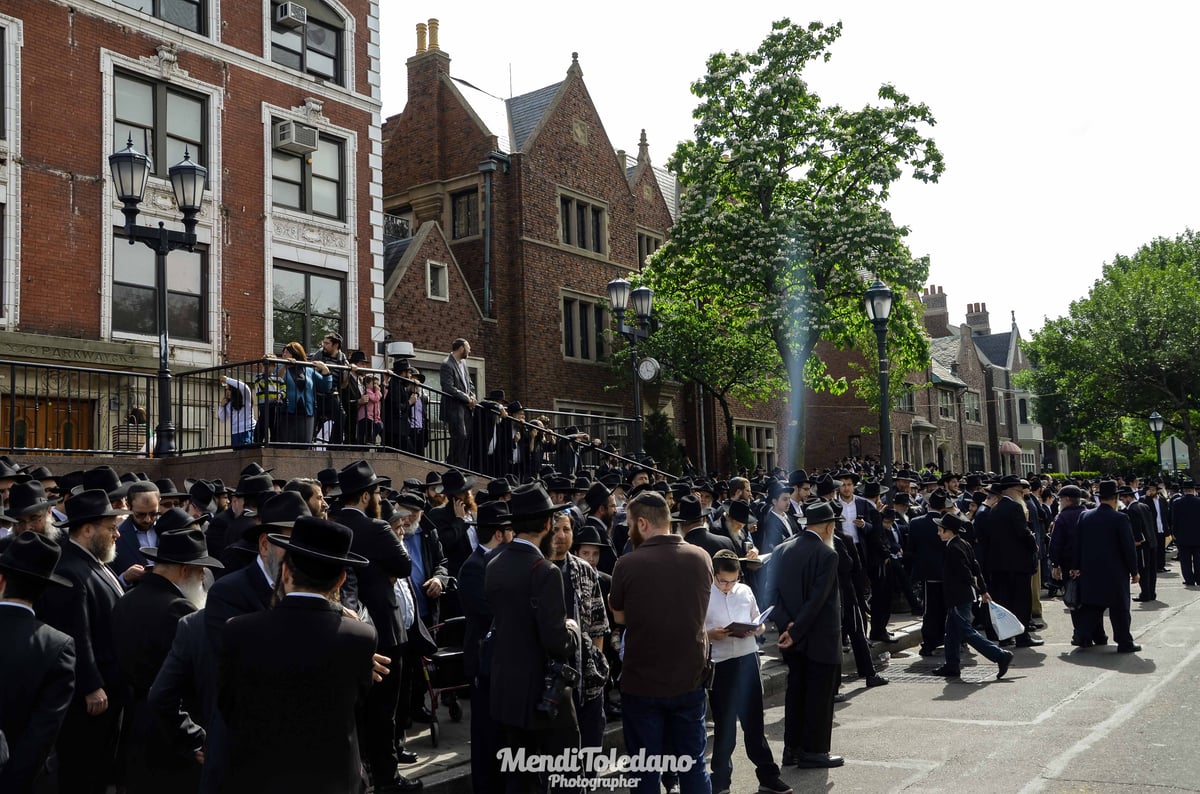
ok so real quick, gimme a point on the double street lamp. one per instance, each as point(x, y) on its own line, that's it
point(879, 309)
point(1156, 427)
point(619, 298)
point(130, 173)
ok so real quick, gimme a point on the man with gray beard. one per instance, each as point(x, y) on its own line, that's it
point(144, 624)
point(88, 739)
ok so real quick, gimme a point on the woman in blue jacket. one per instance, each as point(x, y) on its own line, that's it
point(305, 379)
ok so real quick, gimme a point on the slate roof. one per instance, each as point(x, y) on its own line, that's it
point(526, 110)
point(666, 183)
point(393, 252)
point(994, 347)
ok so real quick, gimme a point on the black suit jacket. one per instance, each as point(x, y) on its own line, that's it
point(240, 593)
point(289, 682)
point(129, 550)
point(1185, 516)
point(475, 605)
point(526, 594)
point(452, 532)
point(962, 578)
point(805, 595)
point(1007, 540)
point(85, 613)
point(37, 671)
point(183, 698)
point(712, 543)
point(925, 549)
point(1106, 557)
point(376, 541)
point(144, 627)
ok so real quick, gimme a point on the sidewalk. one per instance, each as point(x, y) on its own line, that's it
point(446, 769)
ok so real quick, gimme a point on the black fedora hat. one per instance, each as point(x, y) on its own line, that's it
point(951, 522)
point(493, 514)
point(167, 489)
point(1108, 489)
point(183, 546)
point(689, 511)
point(105, 479)
point(588, 536)
point(407, 502)
point(34, 556)
point(328, 477)
point(800, 477)
point(252, 468)
point(41, 473)
point(11, 470)
point(254, 485)
point(28, 497)
point(359, 476)
point(596, 496)
point(320, 541)
point(515, 407)
point(532, 502)
point(282, 510)
point(739, 510)
point(499, 487)
point(202, 494)
point(825, 485)
point(1010, 481)
point(820, 513)
point(560, 483)
point(454, 482)
point(847, 474)
point(88, 506)
point(872, 489)
point(175, 518)
point(433, 478)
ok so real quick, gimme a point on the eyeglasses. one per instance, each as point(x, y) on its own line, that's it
point(150, 514)
point(726, 582)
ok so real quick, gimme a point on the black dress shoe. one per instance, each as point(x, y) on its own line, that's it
point(1004, 663)
point(926, 651)
point(818, 760)
point(789, 756)
point(400, 785)
point(1128, 648)
point(406, 757)
point(1078, 643)
point(876, 680)
point(946, 671)
point(1009, 643)
point(1029, 642)
point(1037, 625)
point(840, 697)
point(887, 636)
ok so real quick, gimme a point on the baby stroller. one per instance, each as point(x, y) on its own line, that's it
point(444, 672)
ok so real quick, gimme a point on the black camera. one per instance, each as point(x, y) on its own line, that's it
point(559, 677)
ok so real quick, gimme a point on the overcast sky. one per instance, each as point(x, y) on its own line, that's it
point(1068, 128)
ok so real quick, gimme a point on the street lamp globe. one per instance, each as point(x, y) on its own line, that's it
point(618, 295)
point(188, 180)
point(879, 302)
point(130, 170)
point(643, 303)
point(1156, 423)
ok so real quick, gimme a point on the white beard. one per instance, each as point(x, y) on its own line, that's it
point(54, 533)
point(193, 590)
point(108, 555)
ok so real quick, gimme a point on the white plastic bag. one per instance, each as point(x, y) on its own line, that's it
point(1005, 622)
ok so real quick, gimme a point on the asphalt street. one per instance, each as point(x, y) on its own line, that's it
point(1063, 719)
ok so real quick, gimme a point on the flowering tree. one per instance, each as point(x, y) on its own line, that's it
point(783, 214)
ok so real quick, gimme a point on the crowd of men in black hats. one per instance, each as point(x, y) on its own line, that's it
point(270, 635)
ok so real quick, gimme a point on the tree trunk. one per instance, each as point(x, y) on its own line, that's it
point(731, 459)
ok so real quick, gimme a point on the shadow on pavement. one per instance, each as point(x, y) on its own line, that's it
point(1107, 658)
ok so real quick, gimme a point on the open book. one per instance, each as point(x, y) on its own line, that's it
point(742, 629)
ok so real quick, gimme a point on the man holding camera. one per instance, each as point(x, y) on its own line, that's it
point(534, 641)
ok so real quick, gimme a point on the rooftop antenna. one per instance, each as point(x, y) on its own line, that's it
point(510, 93)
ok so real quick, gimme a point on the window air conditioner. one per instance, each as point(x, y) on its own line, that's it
point(291, 15)
point(294, 137)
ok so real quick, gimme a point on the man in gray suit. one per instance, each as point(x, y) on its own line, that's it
point(808, 613)
point(458, 400)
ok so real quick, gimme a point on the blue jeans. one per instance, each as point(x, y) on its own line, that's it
point(650, 723)
point(959, 628)
point(242, 440)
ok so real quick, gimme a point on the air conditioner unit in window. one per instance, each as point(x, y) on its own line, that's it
point(294, 137)
point(291, 15)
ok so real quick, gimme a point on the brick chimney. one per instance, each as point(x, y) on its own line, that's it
point(419, 126)
point(977, 318)
point(427, 65)
point(937, 315)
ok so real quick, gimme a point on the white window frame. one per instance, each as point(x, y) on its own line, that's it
point(763, 438)
point(945, 403)
point(978, 408)
point(614, 433)
point(349, 34)
point(10, 173)
point(597, 356)
point(432, 267)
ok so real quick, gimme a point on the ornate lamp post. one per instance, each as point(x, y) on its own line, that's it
point(879, 309)
point(130, 172)
point(619, 298)
point(1156, 427)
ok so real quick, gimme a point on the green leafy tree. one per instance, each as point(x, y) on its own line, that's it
point(783, 213)
point(1130, 347)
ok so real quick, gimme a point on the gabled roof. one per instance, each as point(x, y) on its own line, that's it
point(994, 348)
point(526, 110)
point(943, 352)
point(491, 111)
point(666, 184)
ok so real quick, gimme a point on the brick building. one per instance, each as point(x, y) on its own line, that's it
point(279, 101)
point(507, 219)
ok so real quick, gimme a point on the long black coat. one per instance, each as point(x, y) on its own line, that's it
point(475, 605)
point(452, 532)
point(526, 637)
point(1007, 542)
point(37, 668)
point(805, 593)
point(85, 613)
point(709, 541)
point(1106, 557)
point(289, 683)
point(376, 541)
point(1185, 520)
point(925, 549)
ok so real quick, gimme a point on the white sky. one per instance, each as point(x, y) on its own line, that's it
point(1067, 127)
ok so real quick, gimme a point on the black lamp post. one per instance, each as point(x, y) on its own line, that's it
point(879, 308)
point(1156, 427)
point(619, 298)
point(130, 172)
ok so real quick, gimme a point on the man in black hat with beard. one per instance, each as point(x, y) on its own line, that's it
point(532, 639)
point(601, 510)
point(927, 553)
point(252, 490)
point(373, 589)
point(37, 665)
point(694, 528)
point(144, 624)
point(30, 507)
point(1008, 555)
point(291, 678)
point(88, 741)
point(1105, 562)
